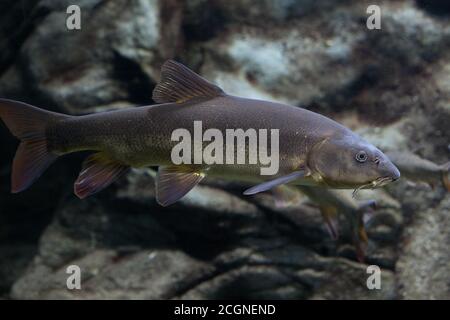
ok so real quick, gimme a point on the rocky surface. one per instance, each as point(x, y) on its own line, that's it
point(390, 85)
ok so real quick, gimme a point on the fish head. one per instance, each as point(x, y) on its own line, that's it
point(350, 162)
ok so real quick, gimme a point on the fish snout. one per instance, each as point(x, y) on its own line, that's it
point(389, 170)
point(396, 177)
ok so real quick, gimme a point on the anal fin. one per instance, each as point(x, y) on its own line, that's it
point(98, 172)
point(174, 182)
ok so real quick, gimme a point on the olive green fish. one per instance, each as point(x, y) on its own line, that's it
point(418, 169)
point(313, 149)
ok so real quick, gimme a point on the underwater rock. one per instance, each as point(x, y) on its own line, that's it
point(330, 61)
point(15, 259)
point(105, 274)
point(423, 266)
point(290, 272)
point(114, 57)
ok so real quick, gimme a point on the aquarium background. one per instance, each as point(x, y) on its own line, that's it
point(392, 86)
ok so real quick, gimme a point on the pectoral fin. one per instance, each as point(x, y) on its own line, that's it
point(174, 182)
point(276, 182)
point(98, 172)
point(330, 215)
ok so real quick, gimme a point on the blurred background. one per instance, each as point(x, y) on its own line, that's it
point(392, 86)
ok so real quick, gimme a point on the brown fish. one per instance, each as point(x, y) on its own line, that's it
point(313, 149)
point(418, 169)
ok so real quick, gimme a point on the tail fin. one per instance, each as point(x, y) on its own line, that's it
point(29, 124)
point(446, 175)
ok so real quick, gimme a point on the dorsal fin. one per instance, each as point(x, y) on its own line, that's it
point(179, 84)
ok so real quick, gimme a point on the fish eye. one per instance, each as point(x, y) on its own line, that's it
point(361, 156)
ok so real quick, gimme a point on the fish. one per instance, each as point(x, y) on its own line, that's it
point(332, 203)
point(418, 169)
point(313, 149)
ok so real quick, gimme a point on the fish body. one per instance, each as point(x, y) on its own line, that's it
point(415, 168)
point(313, 149)
point(141, 137)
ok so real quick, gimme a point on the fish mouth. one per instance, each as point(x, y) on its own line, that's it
point(377, 183)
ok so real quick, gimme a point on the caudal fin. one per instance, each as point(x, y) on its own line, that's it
point(29, 124)
point(446, 175)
